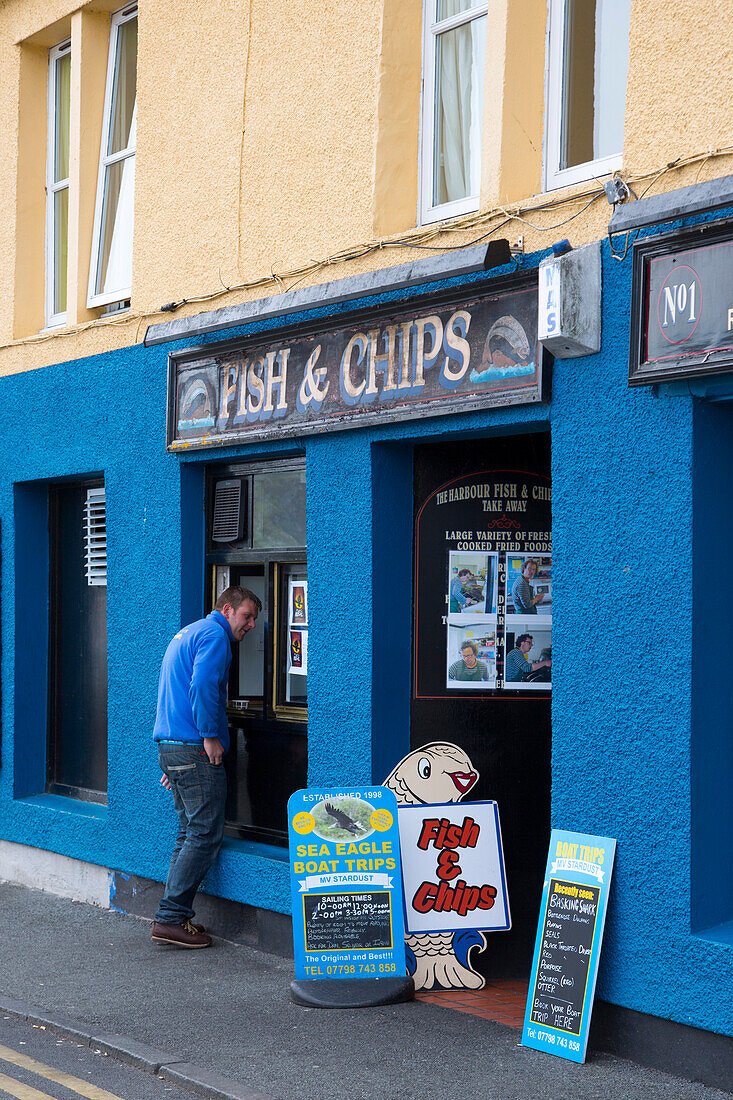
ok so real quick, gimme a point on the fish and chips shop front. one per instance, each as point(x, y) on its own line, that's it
point(484, 507)
point(378, 473)
point(458, 537)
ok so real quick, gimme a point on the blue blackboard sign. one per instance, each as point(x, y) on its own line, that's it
point(346, 883)
point(568, 945)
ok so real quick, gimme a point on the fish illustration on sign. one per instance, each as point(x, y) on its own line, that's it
point(438, 772)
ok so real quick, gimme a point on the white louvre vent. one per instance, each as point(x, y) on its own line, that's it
point(227, 526)
point(95, 537)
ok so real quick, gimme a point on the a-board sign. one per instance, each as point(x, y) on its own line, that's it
point(346, 884)
point(568, 945)
point(453, 868)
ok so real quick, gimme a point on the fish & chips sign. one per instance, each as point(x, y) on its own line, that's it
point(453, 356)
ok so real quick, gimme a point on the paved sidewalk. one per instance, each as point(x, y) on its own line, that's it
point(223, 1019)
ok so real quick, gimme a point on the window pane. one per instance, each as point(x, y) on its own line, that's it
point(63, 99)
point(60, 248)
point(123, 94)
point(594, 89)
point(251, 658)
point(446, 8)
point(279, 509)
point(459, 93)
point(114, 270)
point(264, 768)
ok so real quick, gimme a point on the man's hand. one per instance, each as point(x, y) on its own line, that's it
point(539, 598)
point(165, 782)
point(214, 750)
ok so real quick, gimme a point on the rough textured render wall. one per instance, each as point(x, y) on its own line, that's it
point(622, 696)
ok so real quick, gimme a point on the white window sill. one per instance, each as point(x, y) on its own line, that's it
point(55, 324)
point(449, 210)
point(582, 173)
point(98, 301)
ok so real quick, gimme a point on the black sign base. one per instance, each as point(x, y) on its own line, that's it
point(351, 992)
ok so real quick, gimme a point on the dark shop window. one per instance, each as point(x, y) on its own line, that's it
point(256, 537)
point(77, 701)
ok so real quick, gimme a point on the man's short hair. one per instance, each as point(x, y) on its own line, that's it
point(522, 638)
point(236, 595)
point(531, 561)
point(464, 572)
point(470, 645)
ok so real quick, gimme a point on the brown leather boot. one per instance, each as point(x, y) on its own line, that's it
point(181, 935)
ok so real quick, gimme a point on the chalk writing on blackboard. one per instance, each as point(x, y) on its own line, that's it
point(567, 938)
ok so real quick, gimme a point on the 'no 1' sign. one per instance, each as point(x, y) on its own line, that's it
point(346, 883)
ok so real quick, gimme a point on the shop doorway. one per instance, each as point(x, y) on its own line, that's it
point(77, 697)
point(256, 538)
point(483, 592)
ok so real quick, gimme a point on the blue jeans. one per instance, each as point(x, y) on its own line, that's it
point(199, 796)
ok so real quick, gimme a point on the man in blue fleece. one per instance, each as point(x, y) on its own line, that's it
point(192, 734)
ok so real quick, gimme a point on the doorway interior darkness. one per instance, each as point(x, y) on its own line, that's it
point(77, 692)
point(506, 734)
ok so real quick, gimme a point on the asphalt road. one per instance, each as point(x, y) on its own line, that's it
point(34, 1058)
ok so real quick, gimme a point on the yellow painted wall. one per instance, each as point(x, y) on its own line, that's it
point(275, 134)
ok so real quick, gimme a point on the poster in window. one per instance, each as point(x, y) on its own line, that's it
point(298, 602)
point(471, 654)
point(472, 583)
point(298, 653)
point(528, 658)
point(483, 579)
point(528, 603)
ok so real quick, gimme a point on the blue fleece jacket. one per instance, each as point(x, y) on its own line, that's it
point(192, 692)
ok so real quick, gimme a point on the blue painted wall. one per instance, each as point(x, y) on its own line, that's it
point(628, 725)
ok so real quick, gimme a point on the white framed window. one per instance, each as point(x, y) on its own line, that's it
point(57, 182)
point(585, 93)
point(454, 52)
point(110, 274)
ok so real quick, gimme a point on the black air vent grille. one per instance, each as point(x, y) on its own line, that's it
point(228, 511)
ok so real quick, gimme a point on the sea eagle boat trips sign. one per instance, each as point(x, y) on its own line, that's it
point(454, 354)
point(346, 883)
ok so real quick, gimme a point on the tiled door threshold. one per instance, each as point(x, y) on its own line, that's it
point(502, 1001)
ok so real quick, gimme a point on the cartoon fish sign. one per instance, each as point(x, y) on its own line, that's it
point(438, 772)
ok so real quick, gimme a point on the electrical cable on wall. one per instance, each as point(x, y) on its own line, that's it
point(417, 239)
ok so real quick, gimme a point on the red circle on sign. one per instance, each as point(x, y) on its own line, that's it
point(676, 271)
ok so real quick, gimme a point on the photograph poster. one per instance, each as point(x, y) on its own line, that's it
point(529, 586)
point(472, 583)
point(471, 654)
point(528, 657)
point(298, 653)
point(298, 602)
